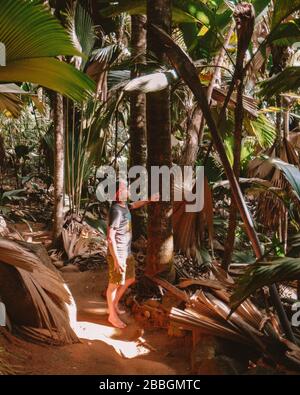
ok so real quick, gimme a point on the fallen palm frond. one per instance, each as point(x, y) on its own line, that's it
point(33, 291)
point(5, 368)
point(14, 254)
point(208, 309)
point(80, 239)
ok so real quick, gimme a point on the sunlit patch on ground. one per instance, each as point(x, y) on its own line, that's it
point(125, 348)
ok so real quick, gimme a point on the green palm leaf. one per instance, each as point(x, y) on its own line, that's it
point(286, 34)
point(32, 38)
point(106, 54)
point(183, 11)
point(82, 31)
point(282, 9)
point(262, 129)
point(287, 80)
point(29, 30)
point(291, 174)
point(261, 274)
point(260, 5)
point(51, 73)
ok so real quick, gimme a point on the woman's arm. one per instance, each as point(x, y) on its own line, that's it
point(141, 203)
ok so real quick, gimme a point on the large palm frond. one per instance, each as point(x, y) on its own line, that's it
point(286, 34)
point(189, 227)
point(27, 269)
point(287, 80)
point(270, 211)
point(33, 38)
point(183, 11)
point(51, 73)
point(82, 31)
point(282, 9)
point(264, 273)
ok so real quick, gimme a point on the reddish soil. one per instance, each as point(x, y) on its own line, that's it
point(103, 349)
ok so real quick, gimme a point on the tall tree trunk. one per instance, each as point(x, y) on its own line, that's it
point(244, 16)
point(190, 151)
point(138, 138)
point(160, 229)
point(58, 120)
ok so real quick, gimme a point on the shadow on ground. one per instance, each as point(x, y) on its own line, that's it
point(103, 349)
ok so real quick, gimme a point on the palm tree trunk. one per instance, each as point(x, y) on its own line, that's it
point(244, 16)
point(229, 244)
point(58, 120)
point(190, 151)
point(138, 139)
point(160, 229)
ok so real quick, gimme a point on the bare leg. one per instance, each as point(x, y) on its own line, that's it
point(113, 317)
point(120, 292)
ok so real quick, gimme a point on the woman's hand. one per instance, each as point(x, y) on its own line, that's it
point(155, 197)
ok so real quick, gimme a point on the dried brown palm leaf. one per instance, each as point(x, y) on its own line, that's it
point(208, 309)
point(189, 228)
point(99, 66)
point(10, 103)
point(270, 211)
point(203, 282)
point(33, 291)
point(294, 138)
point(5, 368)
point(14, 254)
point(249, 103)
point(98, 72)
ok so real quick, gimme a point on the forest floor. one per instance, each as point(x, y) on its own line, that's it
point(103, 350)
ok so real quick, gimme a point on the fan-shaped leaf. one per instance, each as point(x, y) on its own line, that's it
point(28, 30)
point(288, 79)
point(183, 11)
point(32, 38)
point(282, 9)
point(291, 174)
point(286, 34)
point(51, 73)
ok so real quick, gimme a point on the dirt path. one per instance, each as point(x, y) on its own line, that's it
point(103, 349)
